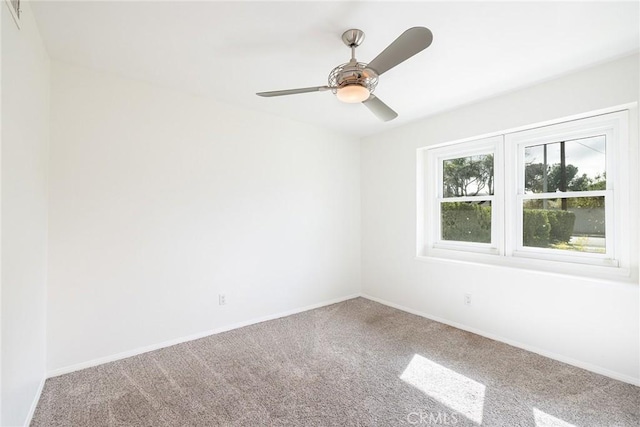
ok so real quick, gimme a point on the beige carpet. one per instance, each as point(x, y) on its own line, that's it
point(356, 363)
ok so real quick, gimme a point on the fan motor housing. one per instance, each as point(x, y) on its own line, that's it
point(352, 73)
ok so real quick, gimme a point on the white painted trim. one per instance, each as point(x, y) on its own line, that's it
point(568, 360)
point(584, 115)
point(431, 200)
point(506, 248)
point(34, 404)
point(597, 274)
point(169, 343)
point(613, 127)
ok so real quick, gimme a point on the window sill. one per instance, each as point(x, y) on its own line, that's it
point(596, 273)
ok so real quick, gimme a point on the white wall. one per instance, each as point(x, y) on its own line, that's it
point(159, 201)
point(592, 324)
point(25, 136)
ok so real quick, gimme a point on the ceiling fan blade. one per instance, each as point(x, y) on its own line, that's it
point(409, 43)
point(293, 91)
point(380, 109)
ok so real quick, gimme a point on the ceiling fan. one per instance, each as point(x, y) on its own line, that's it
point(355, 81)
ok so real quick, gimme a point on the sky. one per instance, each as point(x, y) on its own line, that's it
point(587, 154)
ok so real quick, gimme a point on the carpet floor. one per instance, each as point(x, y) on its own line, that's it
point(356, 363)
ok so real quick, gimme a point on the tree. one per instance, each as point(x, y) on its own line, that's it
point(534, 182)
point(597, 183)
point(468, 176)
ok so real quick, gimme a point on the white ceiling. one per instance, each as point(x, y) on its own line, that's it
point(230, 50)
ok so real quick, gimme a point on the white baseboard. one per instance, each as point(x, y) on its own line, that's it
point(34, 404)
point(152, 347)
point(568, 360)
point(146, 349)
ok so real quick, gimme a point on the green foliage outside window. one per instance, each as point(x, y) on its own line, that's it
point(534, 182)
point(466, 222)
point(544, 227)
point(536, 229)
point(471, 222)
point(468, 176)
point(561, 225)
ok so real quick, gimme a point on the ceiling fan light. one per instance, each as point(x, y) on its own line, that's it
point(352, 94)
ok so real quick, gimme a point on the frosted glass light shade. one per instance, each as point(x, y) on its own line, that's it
point(353, 93)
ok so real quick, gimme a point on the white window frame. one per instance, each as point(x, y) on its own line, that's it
point(506, 248)
point(611, 126)
point(436, 160)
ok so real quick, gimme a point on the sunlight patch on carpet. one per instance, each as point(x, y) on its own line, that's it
point(545, 420)
point(448, 387)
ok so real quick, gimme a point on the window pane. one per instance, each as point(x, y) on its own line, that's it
point(571, 224)
point(466, 221)
point(468, 176)
point(575, 165)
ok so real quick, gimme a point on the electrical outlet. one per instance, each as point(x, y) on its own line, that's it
point(467, 299)
point(222, 299)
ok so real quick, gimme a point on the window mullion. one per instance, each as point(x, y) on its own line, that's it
point(466, 199)
point(563, 195)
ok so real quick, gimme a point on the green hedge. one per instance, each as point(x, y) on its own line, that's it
point(542, 227)
point(561, 223)
point(466, 222)
point(536, 228)
point(470, 222)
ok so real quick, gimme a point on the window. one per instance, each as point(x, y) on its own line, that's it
point(553, 193)
point(467, 192)
point(468, 196)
